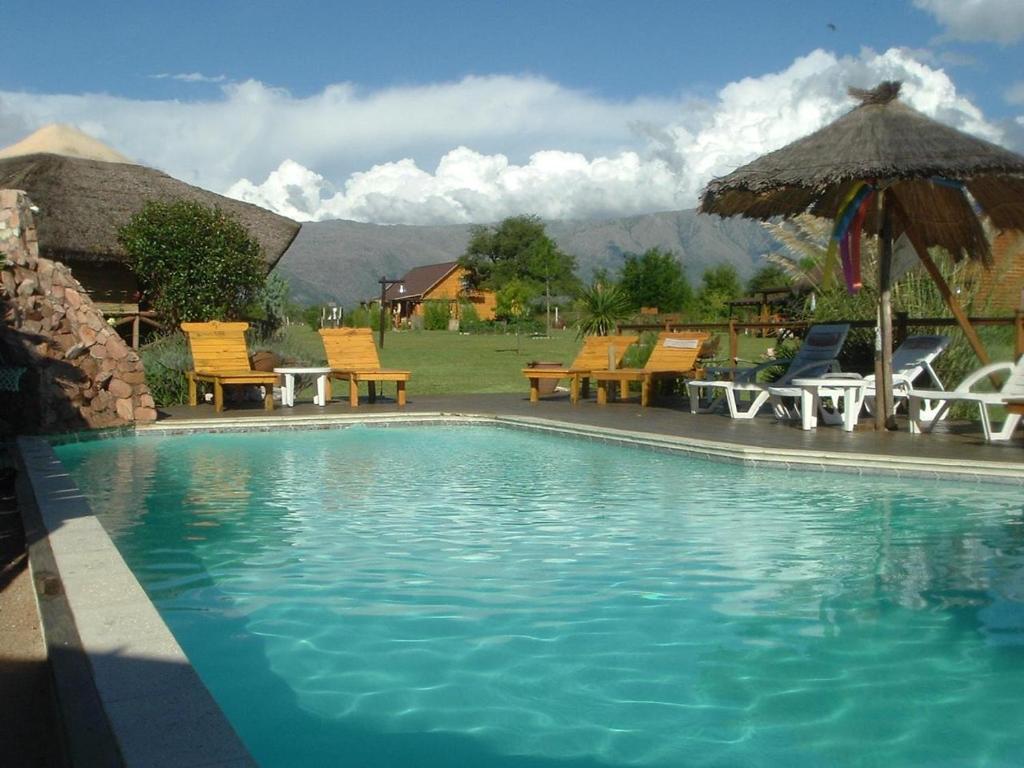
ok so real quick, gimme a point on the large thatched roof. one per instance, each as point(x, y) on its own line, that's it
point(83, 202)
point(891, 145)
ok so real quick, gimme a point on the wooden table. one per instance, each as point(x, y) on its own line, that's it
point(1015, 405)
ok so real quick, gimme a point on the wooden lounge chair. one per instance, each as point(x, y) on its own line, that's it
point(220, 357)
point(674, 357)
point(594, 354)
point(352, 356)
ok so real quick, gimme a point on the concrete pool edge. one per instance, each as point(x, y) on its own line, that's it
point(134, 658)
point(157, 708)
point(779, 458)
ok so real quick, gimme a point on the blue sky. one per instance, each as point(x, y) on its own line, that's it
point(458, 111)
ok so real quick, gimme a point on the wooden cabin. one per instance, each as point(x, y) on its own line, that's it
point(437, 282)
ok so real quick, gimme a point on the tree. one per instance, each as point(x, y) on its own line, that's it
point(656, 279)
point(193, 262)
point(768, 277)
point(721, 285)
point(513, 304)
point(517, 249)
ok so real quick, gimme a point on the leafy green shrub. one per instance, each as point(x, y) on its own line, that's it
point(435, 315)
point(311, 317)
point(469, 318)
point(270, 309)
point(193, 262)
point(363, 317)
point(165, 361)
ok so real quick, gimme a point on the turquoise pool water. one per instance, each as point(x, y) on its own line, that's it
point(469, 596)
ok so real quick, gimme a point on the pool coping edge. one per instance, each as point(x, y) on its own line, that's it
point(136, 663)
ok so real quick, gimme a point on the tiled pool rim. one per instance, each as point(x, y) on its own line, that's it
point(169, 718)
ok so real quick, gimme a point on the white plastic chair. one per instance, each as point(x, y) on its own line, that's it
point(912, 359)
point(927, 406)
point(816, 357)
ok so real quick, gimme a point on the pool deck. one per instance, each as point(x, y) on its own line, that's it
point(955, 450)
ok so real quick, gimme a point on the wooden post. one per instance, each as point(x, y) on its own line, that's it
point(883, 387)
point(954, 306)
point(734, 343)
point(1019, 343)
point(135, 331)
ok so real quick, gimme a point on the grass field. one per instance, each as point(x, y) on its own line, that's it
point(443, 362)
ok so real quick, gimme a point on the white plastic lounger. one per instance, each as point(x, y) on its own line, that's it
point(912, 359)
point(934, 402)
point(816, 357)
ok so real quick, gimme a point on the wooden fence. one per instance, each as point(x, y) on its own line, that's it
point(902, 323)
point(123, 314)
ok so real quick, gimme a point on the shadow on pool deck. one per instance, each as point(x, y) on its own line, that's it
point(667, 417)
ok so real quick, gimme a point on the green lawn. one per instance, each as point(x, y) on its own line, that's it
point(443, 362)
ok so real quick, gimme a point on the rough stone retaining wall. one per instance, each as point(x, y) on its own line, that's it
point(81, 373)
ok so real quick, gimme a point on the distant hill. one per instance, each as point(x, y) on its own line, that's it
point(341, 261)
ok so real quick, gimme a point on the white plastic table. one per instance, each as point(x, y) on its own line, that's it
point(849, 390)
point(288, 390)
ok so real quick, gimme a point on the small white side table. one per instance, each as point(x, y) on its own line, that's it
point(288, 390)
point(850, 390)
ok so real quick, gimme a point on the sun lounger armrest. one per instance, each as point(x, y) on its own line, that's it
point(983, 373)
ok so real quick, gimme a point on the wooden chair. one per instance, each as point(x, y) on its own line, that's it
point(674, 356)
point(352, 356)
point(220, 357)
point(594, 354)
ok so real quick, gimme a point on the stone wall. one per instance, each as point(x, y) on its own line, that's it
point(80, 372)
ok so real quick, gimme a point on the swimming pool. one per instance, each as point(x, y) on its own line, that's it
point(480, 596)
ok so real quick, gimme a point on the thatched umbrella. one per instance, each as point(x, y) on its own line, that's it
point(892, 171)
point(84, 201)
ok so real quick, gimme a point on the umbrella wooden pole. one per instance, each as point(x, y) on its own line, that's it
point(947, 295)
point(883, 386)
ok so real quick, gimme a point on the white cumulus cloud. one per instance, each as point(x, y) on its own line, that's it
point(667, 170)
point(481, 148)
point(1000, 21)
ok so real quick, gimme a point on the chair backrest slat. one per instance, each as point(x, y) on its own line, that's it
point(594, 354)
point(217, 347)
point(676, 351)
point(350, 349)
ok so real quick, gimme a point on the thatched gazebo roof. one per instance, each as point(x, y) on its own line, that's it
point(84, 201)
point(924, 164)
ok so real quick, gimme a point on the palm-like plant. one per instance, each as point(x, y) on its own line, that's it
point(602, 306)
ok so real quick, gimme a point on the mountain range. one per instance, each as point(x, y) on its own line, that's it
point(342, 261)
